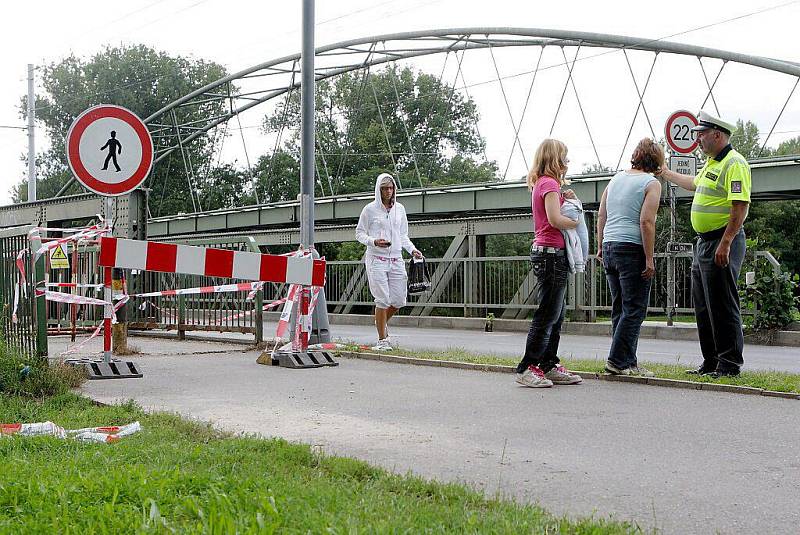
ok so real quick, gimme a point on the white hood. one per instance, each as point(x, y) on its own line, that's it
point(378, 222)
point(378, 201)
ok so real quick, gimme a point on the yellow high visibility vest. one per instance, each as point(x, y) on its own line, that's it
point(718, 183)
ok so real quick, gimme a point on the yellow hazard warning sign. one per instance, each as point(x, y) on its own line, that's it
point(58, 257)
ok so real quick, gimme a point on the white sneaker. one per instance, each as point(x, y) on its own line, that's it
point(533, 377)
point(382, 345)
point(560, 376)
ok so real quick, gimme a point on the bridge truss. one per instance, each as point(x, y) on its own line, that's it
point(278, 78)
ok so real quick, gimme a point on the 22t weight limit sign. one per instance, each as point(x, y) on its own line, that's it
point(678, 132)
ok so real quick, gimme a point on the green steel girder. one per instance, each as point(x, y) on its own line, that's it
point(781, 178)
point(439, 211)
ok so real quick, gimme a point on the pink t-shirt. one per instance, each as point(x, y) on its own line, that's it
point(546, 234)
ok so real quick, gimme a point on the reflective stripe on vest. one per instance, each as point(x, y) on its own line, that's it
point(710, 206)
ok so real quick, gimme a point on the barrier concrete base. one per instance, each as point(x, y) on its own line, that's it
point(99, 369)
point(297, 360)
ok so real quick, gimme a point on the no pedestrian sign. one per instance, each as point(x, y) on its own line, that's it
point(109, 150)
point(678, 131)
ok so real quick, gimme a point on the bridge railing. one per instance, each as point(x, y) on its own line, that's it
point(505, 286)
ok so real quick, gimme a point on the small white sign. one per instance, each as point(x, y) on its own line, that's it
point(684, 165)
point(676, 247)
point(678, 132)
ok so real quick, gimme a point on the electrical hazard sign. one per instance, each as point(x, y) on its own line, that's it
point(59, 258)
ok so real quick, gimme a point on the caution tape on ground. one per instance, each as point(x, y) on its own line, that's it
point(106, 434)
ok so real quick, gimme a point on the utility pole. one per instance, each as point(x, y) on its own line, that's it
point(307, 133)
point(31, 138)
point(320, 329)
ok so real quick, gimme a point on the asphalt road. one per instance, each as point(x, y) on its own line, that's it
point(756, 357)
point(682, 461)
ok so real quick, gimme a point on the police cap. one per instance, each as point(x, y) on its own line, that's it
point(708, 121)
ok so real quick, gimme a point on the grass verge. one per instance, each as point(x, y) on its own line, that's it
point(187, 477)
point(768, 380)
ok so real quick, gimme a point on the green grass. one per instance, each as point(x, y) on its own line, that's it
point(678, 318)
point(181, 476)
point(768, 380)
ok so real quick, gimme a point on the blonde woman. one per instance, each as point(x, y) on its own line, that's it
point(540, 366)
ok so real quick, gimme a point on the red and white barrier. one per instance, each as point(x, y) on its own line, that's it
point(191, 260)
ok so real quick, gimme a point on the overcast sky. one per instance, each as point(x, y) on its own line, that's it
point(238, 34)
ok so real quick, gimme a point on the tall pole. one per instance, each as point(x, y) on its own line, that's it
point(320, 330)
point(307, 128)
point(31, 140)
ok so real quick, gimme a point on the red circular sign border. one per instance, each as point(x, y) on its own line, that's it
point(675, 115)
point(80, 125)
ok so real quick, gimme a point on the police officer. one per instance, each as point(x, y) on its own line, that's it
point(719, 208)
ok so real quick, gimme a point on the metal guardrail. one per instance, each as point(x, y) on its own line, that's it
point(28, 333)
point(501, 285)
point(473, 287)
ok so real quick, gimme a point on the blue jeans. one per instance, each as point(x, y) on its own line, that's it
point(541, 347)
point(630, 293)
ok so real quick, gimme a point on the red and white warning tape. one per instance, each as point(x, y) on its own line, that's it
point(77, 347)
point(107, 434)
point(251, 287)
point(73, 285)
point(267, 306)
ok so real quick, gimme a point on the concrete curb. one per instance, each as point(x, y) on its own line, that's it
point(499, 368)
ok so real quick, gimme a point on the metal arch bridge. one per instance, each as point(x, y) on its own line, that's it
point(332, 60)
point(275, 78)
point(246, 89)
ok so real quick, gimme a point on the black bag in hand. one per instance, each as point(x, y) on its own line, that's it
point(418, 279)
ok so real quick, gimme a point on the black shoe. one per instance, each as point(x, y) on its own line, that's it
point(724, 373)
point(699, 371)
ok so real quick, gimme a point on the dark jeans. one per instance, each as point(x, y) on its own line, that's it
point(551, 272)
point(624, 263)
point(716, 304)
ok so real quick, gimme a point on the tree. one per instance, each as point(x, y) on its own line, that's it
point(746, 140)
point(222, 188)
point(788, 147)
point(138, 78)
point(432, 138)
point(774, 224)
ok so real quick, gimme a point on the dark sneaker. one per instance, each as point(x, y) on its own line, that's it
point(633, 371)
point(724, 373)
point(699, 371)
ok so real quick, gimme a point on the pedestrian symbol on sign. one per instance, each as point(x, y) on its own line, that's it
point(114, 148)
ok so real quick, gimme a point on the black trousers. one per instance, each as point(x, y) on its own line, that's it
point(716, 304)
point(541, 347)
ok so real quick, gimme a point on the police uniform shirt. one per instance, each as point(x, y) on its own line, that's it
point(723, 179)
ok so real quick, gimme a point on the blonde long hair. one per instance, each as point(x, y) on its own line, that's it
point(551, 160)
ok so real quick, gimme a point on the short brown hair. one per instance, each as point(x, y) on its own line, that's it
point(550, 160)
point(648, 156)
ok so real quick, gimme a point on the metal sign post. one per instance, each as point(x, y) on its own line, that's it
point(681, 140)
point(110, 152)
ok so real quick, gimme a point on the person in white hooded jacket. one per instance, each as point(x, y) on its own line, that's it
point(383, 228)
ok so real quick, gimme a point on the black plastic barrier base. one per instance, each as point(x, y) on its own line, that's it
point(310, 359)
point(99, 369)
